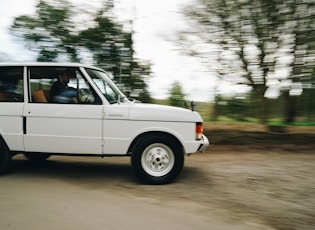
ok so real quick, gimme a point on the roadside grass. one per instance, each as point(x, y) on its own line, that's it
point(251, 133)
point(228, 131)
point(297, 123)
point(273, 122)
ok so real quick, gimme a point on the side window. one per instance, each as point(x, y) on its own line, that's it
point(59, 85)
point(40, 82)
point(11, 84)
point(107, 89)
point(86, 93)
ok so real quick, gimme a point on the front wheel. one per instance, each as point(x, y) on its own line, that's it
point(5, 157)
point(157, 159)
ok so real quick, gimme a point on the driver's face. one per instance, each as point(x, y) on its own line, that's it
point(64, 78)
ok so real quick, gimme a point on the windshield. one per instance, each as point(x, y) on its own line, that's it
point(105, 85)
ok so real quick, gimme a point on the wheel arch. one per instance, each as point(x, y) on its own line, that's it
point(5, 156)
point(153, 133)
point(2, 140)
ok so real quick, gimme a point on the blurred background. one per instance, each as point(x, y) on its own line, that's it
point(243, 60)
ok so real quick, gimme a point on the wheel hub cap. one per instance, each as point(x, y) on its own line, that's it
point(157, 160)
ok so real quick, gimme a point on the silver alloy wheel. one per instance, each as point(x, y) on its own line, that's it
point(157, 160)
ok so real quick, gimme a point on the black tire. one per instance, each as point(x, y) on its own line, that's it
point(157, 159)
point(5, 157)
point(37, 157)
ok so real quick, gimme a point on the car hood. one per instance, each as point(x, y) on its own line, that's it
point(152, 112)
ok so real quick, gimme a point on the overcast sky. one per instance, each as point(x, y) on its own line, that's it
point(155, 23)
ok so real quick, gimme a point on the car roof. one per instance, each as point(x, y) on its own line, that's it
point(52, 64)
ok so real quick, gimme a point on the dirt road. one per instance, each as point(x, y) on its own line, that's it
point(224, 188)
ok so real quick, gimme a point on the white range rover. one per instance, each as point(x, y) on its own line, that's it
point(94, 119)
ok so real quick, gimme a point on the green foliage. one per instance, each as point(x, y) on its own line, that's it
point(177, 97)
point(245, 109)
point(49, 31)
point(306, 105)
point(258, 138)
point(52, 32)
point(254, 42)
point(279, 122)
point(235, 108)
point(145, 97)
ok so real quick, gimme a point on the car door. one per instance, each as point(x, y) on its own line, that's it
point(70, 127)
point(11, 106)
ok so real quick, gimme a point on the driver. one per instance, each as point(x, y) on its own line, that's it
point(60, 92)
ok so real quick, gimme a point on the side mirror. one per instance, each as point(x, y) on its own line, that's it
point(192, 105)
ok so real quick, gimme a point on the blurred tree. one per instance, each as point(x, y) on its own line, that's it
point(109, 44)
point(260, 43)
point(306, 105)
point(52, 32)
point(236, 108)
point(177, 97)
point(299, 17)
point(112, 49)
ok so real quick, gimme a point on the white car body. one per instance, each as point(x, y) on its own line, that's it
point(105, 129)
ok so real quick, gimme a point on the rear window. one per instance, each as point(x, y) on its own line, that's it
point(11, 84)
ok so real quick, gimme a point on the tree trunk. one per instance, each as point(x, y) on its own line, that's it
point(263, 113)
point(261, 103)
point(290, 108)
